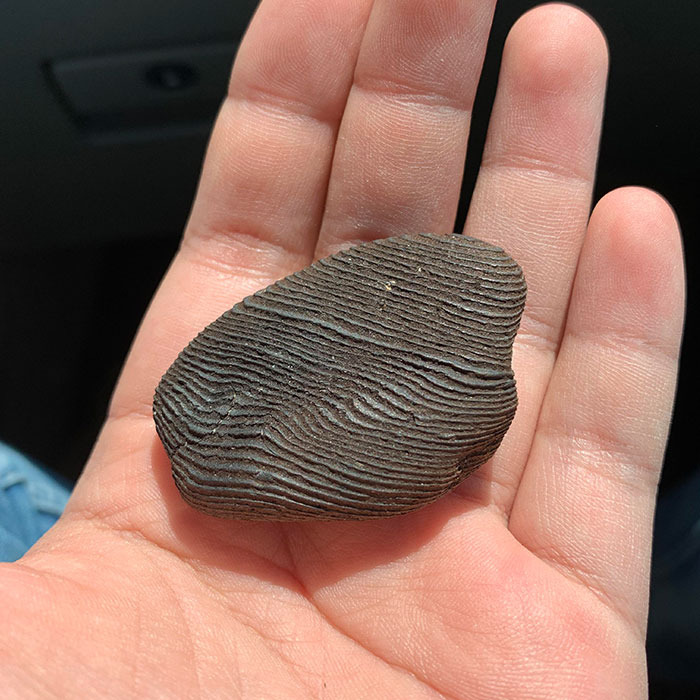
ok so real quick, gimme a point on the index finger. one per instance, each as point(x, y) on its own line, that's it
point(263, 186)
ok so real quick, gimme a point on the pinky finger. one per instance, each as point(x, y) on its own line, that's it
point(586, 500)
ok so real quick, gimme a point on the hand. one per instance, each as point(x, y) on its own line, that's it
point(347, 120)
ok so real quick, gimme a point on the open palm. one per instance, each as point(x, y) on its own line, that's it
point(347, 120)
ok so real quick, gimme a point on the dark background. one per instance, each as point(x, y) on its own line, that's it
point(105, 113)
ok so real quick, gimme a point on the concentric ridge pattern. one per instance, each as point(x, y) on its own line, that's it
point(366, 385)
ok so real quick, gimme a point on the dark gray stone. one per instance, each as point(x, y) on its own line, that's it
point(365, 386)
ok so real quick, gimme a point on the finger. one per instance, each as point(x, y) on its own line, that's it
point(258, 209)
point(533, 195)
point(586, 500)
point(400, 155)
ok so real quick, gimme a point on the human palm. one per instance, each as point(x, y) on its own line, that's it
point(347, 120)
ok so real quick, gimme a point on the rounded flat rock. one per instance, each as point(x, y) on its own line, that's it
point(366, 385)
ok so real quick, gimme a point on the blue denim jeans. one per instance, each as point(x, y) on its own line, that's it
point(31, 500)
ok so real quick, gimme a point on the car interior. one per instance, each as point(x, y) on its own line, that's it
point(106, 113)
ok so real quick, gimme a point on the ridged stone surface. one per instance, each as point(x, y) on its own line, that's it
point(367, 385)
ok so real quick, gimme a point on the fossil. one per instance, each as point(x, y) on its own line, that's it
point(364, 386)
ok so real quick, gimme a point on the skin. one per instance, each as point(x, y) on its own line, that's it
point(347, 120)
